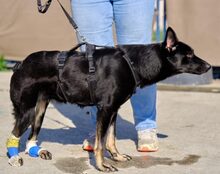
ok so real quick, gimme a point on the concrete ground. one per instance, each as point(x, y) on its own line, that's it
point(188, 131)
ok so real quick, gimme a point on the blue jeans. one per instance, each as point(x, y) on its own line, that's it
point(133, 23)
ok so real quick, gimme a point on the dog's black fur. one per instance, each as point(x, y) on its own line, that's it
point(35, 83)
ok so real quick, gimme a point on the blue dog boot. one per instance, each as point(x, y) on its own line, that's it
point(12, 145)
point(33, 149)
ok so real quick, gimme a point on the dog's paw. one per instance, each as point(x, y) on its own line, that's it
point(44, 154)
point(15, 161)
point(121, 157)
point(106, 168)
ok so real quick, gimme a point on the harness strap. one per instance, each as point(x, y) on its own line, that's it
point(135, 75)
point(92, 83)
point(61, 61)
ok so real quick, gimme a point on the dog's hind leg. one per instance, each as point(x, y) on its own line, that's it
point(103, 121)
point(110, 142)
point(31, 147)
point(21, 125)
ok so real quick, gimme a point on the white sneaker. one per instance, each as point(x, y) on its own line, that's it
point(88, 143)
point(147, 141)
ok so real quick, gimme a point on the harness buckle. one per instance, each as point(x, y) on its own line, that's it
point(90, 48)
point(91, 69)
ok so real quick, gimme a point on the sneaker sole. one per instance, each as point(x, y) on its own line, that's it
point(145, 149)
point(88, 148)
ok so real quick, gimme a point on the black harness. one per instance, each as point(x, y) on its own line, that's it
point(89, 50)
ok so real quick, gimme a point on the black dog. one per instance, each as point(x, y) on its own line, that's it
point(35, 83)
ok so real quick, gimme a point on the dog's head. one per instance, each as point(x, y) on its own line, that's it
point(181, 57)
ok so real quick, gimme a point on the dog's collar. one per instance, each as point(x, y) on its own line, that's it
point(135, 75)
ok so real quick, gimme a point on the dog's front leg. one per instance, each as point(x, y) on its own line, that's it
point(103, 121)
point(31, 147)
point(110, 142)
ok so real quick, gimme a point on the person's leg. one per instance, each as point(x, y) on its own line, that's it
point(94, 19)
point(133, 20)
point(144, 108)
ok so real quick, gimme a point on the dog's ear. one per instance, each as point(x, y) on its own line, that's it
point(170, 39)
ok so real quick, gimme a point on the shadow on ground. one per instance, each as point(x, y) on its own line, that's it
point(83, 126)
point(79, 165)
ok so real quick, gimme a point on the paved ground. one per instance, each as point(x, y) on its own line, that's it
point(188, 134)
